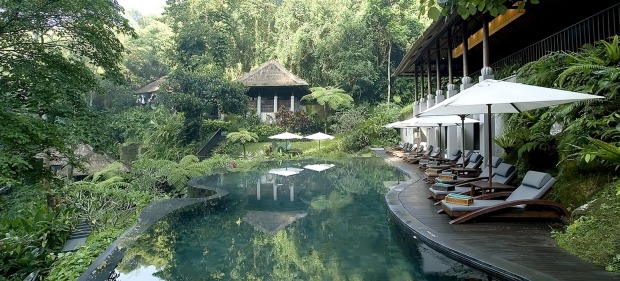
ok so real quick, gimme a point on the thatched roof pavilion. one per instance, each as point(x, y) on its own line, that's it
point(272, 86)
point(147, 94)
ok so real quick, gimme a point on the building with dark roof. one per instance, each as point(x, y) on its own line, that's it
point(271, 88)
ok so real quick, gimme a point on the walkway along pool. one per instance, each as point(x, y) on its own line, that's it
point(298, 220)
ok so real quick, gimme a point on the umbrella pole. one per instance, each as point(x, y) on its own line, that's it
point(463, 139)
point(489, 149)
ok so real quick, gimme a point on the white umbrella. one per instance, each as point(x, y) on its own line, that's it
point(393, 124)
point(319, 136)
point(319, 167)
point(494, 96)
point(285, 136)
point(438, 121)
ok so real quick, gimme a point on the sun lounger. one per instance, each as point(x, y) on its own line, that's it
point(527, 201)
point(503, 174)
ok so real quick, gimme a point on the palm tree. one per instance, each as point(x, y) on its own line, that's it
point(331, 97)
point(242, 137)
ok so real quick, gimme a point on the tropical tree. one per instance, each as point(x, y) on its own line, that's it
point(465, 8)
point(48, 53)
point(330, 97)
point(242, 137)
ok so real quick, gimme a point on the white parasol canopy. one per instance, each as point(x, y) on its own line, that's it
point(285, 136)
point(319, 167)
point(438, 121)
point(393, 124)
point(495, 96)
point(435, 121)
point(319, 136)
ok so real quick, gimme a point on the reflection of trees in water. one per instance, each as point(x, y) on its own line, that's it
point(331, 245)
point(154, 247)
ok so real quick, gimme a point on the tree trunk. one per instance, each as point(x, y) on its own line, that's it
point(244, 157)
point(389, 62)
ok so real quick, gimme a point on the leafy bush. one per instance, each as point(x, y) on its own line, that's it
point(593, 235)
point(347, 120)
point(211, 126)
point(355, 141)
point(30, 231)
point(295, 121)
point(70, 265)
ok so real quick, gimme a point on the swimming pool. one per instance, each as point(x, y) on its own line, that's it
point(297, 220)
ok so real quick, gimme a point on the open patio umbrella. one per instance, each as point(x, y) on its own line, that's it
point(393, 124)
point(438, 121)
point(319, 167)
point(319, 136)
point(495, 96)
point(285, 136)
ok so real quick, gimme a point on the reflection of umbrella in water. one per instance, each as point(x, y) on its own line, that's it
point(494, 96)
point(288, 171)
point(286, 136)
point(319, 167)
point(319, 136)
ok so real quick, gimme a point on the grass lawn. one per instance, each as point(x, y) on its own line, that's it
point(304, 145)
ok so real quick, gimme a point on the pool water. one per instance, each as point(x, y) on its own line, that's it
point(323, 222)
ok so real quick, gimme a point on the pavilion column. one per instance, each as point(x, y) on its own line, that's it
point(292, 103)
point(466, 81)
point(275, 104)
point(451, 136)
point(486, 73)
point(423, 132)
point(430, 101)
point(438, 93)
point(259, 106)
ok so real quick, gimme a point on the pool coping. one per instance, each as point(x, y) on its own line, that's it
point(103, 266)
point(494, 266)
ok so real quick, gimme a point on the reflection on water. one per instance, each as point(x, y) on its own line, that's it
point(328, 223)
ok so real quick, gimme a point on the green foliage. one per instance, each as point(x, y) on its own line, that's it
point(264, 131)
point(435, 9)
point(129, 152)
point(242, 137)
point(371, 131)
point(348, 119)
point(593, 233)
point(202, 93)
point(165, 138)
point(212, 126)
point(70, 265)
point(48, 52)
point(170, 177)
point(296, 121)
point(148, 50)
point(30, 231)
point(333, 98)
point(607, 154)
point(105, 202)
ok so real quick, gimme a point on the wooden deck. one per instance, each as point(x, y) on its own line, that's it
point(506, 250)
